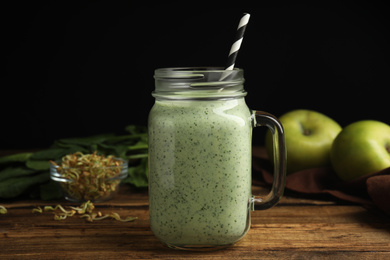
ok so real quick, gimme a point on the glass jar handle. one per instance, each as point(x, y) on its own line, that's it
point(260, 118)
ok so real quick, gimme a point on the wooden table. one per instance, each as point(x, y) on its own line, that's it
point(294, 229)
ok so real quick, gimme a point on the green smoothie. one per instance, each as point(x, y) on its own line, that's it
point(200, 171)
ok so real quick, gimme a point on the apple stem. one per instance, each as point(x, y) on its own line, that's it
point(306, 132)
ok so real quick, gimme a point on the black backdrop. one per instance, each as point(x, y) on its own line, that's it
point(86, 67)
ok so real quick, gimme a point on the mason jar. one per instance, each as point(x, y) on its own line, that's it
point(200, 151)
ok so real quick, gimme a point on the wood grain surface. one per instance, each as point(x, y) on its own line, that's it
point(296, 228)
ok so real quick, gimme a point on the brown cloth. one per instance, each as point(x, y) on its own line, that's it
point(370, 191)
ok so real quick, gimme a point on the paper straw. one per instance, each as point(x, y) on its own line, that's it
point(237, 42)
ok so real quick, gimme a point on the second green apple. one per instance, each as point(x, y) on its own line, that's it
point(309, 136)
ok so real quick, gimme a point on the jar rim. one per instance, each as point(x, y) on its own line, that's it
point(197, 68)
point(196, 73)
point(198, 82)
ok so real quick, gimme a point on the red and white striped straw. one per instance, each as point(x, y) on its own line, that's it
point(237, 42)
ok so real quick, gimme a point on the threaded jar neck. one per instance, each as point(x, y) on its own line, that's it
point(198, 83)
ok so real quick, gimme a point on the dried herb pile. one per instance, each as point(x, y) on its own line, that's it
point(28, 173)
point(89, 176)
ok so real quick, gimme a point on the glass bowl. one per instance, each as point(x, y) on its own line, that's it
point(95, 184)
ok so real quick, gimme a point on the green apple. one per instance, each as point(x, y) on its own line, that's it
point(361, 148)
point(309, 136)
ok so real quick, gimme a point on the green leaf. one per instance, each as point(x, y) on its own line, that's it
point(19, 157)
point(13, 172)
point(38, 164)
point(49, 154)
point(138, 175)
point(137, 156)
point(117, 150)
point(123, 139)
point(139, 145)
point(136, 129)
point(14, 187)
point(55, 153)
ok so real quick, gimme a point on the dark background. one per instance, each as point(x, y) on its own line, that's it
point(86, 67)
